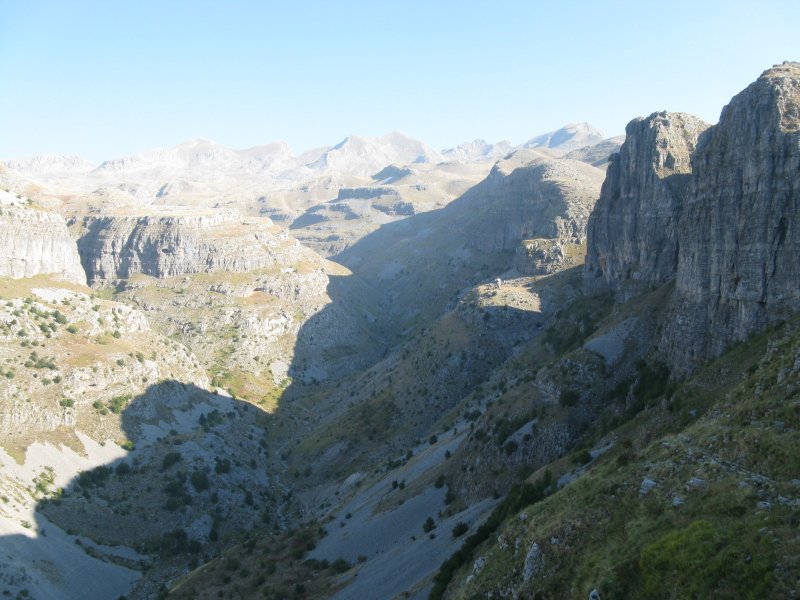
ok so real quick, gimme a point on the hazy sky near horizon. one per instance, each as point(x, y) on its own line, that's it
point(104, 79)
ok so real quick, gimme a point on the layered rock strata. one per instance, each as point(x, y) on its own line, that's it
point(118, 247)
point(36, 242)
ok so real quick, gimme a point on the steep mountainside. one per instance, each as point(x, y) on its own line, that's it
point(599, 154)
point(528, 197)
point(528, 204)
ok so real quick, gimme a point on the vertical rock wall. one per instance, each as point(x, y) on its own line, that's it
point(36, 242)
point(633, 230)
point(739, 255)
point(717, 209)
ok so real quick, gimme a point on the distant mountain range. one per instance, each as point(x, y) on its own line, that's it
point(355, 155)
point(393, 176)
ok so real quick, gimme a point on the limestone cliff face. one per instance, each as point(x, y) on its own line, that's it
point(633, 230)
point(168, 245)
point(739, 252)
point(35, 242)
point(717, 209)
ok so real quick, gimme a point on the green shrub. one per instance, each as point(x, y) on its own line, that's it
point(170, 459)
point(199, 480)
point(117, 403)
point(568, 397)
point(340, 565)
point(95, 477)
point(460, 529)
point(429, 525)
point(581, 457)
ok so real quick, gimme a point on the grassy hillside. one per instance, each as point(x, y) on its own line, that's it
point(697, 497)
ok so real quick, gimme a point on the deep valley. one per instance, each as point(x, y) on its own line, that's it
point(564, 369)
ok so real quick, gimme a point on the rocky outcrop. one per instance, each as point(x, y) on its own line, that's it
point(633, 230)
point(739, 249)
point(531, 197)
point(533, 563)
point(717, 209)
point(539, 257)
point(36, 242)
point(167, 245)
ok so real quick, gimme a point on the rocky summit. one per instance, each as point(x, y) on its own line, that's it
point(564, 369)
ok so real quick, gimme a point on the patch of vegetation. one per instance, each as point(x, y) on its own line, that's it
point(518, 498)
point(460, 529)
point(199, 480)
point(95, 477)
point(117, 403)
point(568, 397)
point(40, 362)
point(170, 459)
point(505, 427)
point(429, 525)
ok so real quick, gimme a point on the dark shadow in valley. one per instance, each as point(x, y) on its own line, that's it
point(195, 476)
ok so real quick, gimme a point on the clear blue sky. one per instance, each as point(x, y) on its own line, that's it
point(108, 78)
